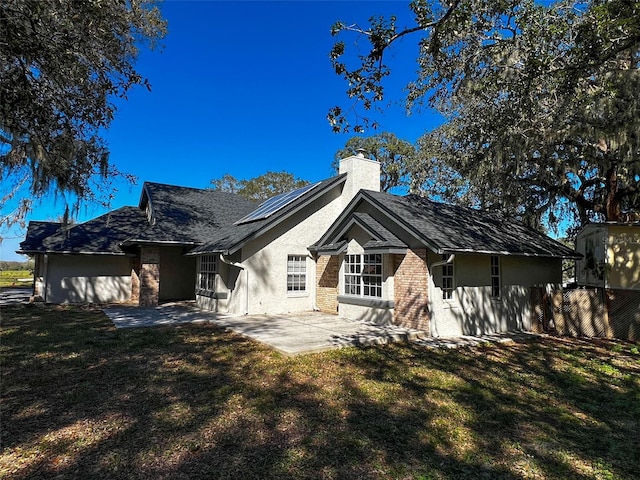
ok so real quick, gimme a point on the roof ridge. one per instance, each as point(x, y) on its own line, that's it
point(177, 186)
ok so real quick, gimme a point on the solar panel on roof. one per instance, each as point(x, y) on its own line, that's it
point(272, 205)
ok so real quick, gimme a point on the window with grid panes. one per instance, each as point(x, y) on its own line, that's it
point(495, 276)
point(207, 272)
point(352, 269)
point(363, 275)
point(296, 273)
point(447, 279)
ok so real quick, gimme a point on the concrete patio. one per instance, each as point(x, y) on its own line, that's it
point(297, 333)
point(290, 334)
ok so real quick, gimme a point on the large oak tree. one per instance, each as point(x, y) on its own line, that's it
point(395, 155)
point(541, 102)
point(62, 65)
point(261, 187)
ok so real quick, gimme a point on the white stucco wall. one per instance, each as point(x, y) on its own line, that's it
point(265, 261)
point(87, 279)
point(472, 310)
point(262, 263)
point(623, 257)
point(590, 242)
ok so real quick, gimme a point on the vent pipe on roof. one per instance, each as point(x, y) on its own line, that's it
point(361, 153)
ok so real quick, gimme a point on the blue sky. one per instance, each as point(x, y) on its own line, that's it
point(241, 87)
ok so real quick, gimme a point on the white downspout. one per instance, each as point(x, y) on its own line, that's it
point(443, 262)
point(246, 279)
point(314, 284)
point(45, 280)
point(431, 284)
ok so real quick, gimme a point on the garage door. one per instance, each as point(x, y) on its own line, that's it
point(88, 279)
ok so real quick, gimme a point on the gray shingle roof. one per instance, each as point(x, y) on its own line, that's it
point(453, 229)
point(99, 235)
point(188, 215)
point(383, 238)
point(234, 236)
point(36, 232)
point(181, 215)
point(442, 228)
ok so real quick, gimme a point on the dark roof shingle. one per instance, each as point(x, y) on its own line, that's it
point(454, 229)
point(99, 235)
point(440, 227)
point(189, 215)
point(36, 233)
point(233, 236)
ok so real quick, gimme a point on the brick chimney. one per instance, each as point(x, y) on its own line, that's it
point(362, 174)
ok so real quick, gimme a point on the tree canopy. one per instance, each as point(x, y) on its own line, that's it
point(541, 103)
point(396, 157)
point(259, 188)
point(63, 63)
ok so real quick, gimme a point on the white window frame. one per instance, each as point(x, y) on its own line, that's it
point(448, 280)
point(296, 274)
point(363, 275)
point(207, 271)
point(496, 281)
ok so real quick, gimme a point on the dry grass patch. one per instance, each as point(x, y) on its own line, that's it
point(83, 400)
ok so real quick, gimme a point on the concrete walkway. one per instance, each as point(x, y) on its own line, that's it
point(296, 333)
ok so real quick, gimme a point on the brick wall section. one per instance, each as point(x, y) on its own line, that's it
point(327, 268)
point(411, 290)
point(149, 276)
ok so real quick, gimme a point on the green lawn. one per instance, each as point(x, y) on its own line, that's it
point(13, 278)
point(82, 400)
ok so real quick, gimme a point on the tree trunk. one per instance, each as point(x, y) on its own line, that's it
point(612, 211)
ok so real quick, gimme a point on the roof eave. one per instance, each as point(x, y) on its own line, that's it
point(132, 242)
point(331, 251)
point(74, 252)
point(213, 251)
point(387, 250)
point(445, 250)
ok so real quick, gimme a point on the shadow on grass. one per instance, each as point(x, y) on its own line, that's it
point(83, 400)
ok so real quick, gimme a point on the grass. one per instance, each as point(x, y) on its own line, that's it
point(83, 400)
point(12, 278)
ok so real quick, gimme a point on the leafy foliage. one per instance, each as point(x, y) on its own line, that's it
point(16, 265)
point(541, 101)
point(396, 157)
point(261, 187)
point(63, 64)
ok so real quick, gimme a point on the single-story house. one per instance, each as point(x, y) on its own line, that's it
point(611, 256)
point(338, 245)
